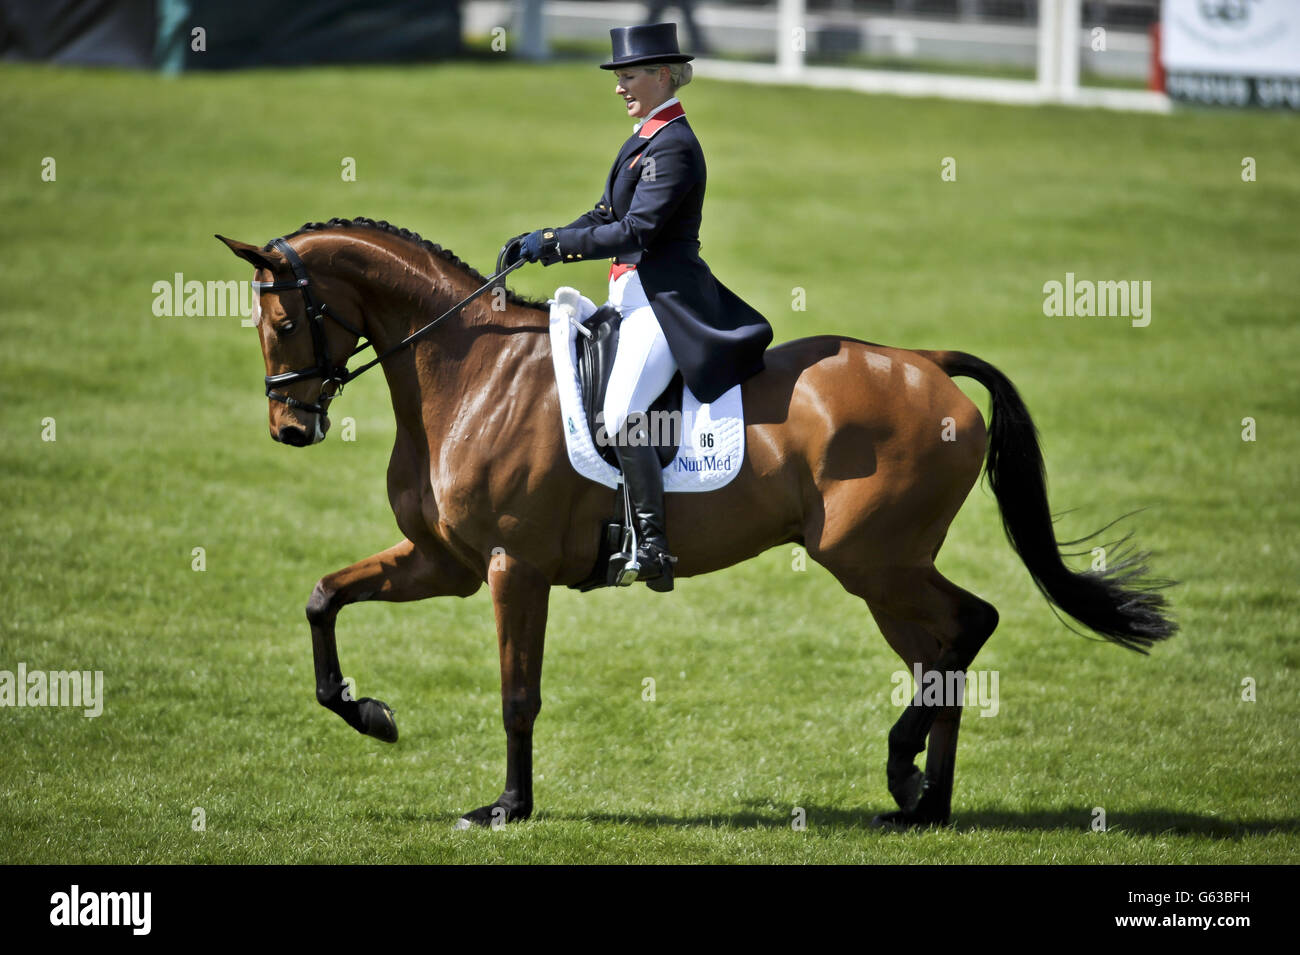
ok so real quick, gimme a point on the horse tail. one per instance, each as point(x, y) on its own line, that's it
point(1120, 602)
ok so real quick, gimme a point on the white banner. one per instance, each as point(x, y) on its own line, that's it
point(1240, 37)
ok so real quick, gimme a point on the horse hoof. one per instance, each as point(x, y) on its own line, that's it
point(908, 792)
point(377, 720)
point(482, 818)
point(899, 820)
point(491, 817)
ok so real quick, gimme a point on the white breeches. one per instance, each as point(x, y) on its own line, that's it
point(643, 364)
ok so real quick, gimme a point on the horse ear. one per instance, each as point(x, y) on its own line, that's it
point(250, 253)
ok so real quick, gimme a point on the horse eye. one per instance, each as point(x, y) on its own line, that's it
point(287, 328)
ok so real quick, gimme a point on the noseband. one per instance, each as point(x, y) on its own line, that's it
point(337, 375)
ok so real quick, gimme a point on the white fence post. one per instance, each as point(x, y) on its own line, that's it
point(1070, 22)
point(1058, 49)
point(789, 54)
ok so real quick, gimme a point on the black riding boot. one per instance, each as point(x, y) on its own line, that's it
point(645, 485)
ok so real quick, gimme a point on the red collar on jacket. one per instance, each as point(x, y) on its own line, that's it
point(660, 119)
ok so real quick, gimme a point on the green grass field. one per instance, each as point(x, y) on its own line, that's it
point(772, 685)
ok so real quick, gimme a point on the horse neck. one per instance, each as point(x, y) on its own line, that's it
point(480, 356)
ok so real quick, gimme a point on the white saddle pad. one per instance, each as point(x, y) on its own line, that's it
point(713, 435)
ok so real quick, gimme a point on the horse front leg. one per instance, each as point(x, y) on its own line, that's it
point(520, 595)
point(403, 572)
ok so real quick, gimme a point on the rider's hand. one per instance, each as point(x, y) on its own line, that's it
point(510, 252)
point(540, 246)
point(531, 248)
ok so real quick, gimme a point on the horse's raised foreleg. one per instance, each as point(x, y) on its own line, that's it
point(520, 595)
point(402, 572)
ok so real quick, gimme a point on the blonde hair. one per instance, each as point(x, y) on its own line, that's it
point(679, 74)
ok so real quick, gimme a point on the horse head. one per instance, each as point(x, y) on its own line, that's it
point(305, 342)
point(348, 279)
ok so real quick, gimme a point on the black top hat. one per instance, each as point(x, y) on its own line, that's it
point(652, 43)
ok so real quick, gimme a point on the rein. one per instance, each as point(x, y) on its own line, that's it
point(337, 375)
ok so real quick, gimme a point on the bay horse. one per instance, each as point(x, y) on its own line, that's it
point(860, 453)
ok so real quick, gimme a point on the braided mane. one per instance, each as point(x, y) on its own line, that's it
point(416, 239)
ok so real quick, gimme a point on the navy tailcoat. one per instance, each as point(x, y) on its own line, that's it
point(650, 216)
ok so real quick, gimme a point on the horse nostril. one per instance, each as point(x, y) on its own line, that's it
point(294, 437)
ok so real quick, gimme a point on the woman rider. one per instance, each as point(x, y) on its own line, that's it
point(675, 314)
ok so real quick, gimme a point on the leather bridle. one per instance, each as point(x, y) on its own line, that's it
point(332, 374)
point(325, 368)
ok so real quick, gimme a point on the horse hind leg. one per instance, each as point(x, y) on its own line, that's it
point(930, 621)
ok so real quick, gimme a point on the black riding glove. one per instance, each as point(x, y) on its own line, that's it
point(509, 253)
point(540, 246)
